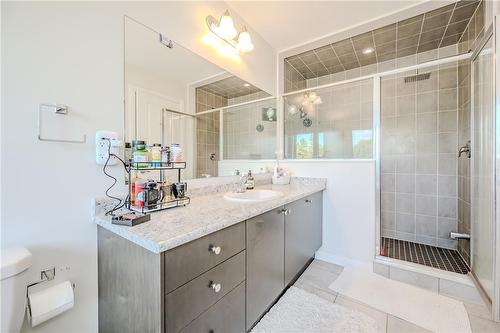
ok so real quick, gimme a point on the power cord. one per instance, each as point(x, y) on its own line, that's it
point(120, 204)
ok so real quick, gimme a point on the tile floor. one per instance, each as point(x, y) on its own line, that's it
point(319, 275)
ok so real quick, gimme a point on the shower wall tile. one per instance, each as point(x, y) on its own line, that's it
point(426, 205)
point(388, 220)
point(242, 140)
point(448, 99)
point(405, 203)
point(448, 121)
point(448, 142)
point(419, 138)
point(448, 78)
point(426, 226)
point(426, 163)
point(447, 207)
point(445, 225)
point(447, 186)
point(426, 184)
point(405, 164)
point(427, 123)
point(448, 164)
point(388, 201)
point(405, 223)
point(426, 144)
point(207, 132)
point(427, 102)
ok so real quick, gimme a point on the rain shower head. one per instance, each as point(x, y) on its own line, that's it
point(418, 77)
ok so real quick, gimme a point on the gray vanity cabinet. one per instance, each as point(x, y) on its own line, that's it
point(303, 233)
point(265, 263)
point(223, 282)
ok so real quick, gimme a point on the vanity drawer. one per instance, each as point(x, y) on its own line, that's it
point(225, 316)
point(187, 261)
point(189, 301)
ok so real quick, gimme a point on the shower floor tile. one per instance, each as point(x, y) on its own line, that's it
point(422, 254)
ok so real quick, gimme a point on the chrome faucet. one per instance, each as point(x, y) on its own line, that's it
point(464, 150)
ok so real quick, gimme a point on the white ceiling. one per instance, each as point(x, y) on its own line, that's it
point(285, 24)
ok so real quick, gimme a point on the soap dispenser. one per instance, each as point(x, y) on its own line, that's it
point(250, 184)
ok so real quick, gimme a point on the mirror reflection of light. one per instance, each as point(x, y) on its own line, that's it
point(223, 49)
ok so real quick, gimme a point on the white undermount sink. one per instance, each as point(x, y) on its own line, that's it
point(253, 195)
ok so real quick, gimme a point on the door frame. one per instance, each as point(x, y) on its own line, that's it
point(493, 33)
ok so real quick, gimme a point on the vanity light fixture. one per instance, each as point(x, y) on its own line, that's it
point(225, 30)
point(368, 50)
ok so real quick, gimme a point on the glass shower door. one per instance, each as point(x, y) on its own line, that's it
point(483, 167)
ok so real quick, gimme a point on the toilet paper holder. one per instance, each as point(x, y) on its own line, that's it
point(45, 275)
point(48, 274)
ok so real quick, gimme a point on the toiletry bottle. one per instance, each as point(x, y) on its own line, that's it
point(165, 155)
point(140, 155)
point(156, 155)
point(176, 153)
point(132, 187)
point(140, 194)
point(127, 153)
point(250, 184)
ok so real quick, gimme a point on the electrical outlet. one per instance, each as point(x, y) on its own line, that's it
point(103, 141)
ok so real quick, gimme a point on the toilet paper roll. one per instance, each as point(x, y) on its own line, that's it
point(50, 302)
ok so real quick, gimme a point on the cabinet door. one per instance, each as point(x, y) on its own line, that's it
point(315, 202)
point(225, 316)
point(265, 263)
point(303, 233)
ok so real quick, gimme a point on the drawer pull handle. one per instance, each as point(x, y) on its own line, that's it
point(309, 201)
point(215, 286)
point(215, 249)
point(284, 211)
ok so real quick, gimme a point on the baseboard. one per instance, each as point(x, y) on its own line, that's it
point(341, 260)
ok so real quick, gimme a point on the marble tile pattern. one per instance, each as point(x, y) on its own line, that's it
point(204, 215)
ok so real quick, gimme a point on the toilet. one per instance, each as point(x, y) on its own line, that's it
point(14, 278)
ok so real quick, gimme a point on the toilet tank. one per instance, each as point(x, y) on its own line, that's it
point(14, 281)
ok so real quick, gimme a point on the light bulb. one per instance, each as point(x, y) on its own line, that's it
point(244, 41)
point(368, 50)
point(226, 26)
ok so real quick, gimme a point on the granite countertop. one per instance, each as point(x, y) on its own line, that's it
point(204, 215)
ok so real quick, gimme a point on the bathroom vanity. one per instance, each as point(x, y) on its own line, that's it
point(213, 266)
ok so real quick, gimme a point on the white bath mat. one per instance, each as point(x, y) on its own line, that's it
point(419, 306)
point(301, 311)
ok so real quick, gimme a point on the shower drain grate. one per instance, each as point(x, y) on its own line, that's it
point(422, 254)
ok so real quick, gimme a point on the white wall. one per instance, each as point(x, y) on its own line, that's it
point(348, 204)
point(72, 53)
point(142, 78)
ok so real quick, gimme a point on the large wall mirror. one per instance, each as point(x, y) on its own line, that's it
point(174, 96)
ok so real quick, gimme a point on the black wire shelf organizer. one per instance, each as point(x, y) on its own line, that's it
point(161, 168)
